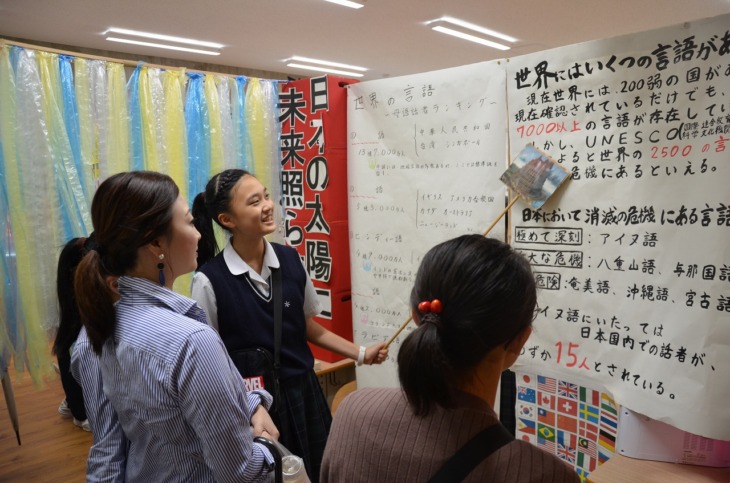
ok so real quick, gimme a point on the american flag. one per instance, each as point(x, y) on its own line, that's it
point(568, 390)
point(546, 384)
point(546, 444)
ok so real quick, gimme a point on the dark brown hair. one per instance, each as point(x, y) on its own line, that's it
point(216, 199)
point(129, 211)
point(69, 321)
point(488, 296)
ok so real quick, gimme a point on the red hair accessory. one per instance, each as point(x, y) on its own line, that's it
point(434, 306)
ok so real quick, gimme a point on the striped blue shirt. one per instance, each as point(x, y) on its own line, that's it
point(177, 395)
point(108, 455)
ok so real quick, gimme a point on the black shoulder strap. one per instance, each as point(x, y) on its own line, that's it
point(472, 453)
point(278, 303)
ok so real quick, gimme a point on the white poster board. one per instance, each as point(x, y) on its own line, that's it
point(633, 255)
point(424, 157)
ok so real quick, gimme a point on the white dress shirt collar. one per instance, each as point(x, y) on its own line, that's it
point(237, 266)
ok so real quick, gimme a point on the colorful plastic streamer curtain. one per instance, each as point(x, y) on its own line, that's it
point(32, 215)
point(66, 124)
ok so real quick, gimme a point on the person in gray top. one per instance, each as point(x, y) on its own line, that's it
point(473, 302)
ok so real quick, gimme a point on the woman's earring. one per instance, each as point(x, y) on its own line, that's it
point(161, 268)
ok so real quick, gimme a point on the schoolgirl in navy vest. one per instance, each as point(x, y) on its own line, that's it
point(234, 288)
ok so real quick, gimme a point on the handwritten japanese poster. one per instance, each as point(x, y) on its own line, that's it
point(632, 257)
point(424, 153)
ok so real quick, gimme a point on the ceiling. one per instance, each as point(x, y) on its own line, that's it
point(388, 37)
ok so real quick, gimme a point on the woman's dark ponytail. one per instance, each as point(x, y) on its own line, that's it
point(207, 245)
point(425, 380)
point(96, 306)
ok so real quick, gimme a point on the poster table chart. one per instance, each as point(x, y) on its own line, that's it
point(625, 469)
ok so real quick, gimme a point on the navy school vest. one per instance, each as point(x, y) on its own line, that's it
point(246, 317)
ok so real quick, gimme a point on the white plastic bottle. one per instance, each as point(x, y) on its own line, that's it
point(293, 469)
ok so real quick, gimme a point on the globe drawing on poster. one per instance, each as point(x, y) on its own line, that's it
point(534, 176)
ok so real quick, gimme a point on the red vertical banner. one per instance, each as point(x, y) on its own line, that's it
point(313, 117)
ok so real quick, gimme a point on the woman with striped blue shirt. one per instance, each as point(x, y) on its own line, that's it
point(180, 403)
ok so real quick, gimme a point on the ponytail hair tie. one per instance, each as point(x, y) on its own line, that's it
point(91, 245)
point(430, 312)
point(435, 306)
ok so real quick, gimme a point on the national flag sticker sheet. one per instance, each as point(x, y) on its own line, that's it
point(576, 423)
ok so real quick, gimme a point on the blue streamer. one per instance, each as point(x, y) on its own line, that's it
point(15, 52)
point(71, 117)
point(66, 180)
point(8, 266)
point(244, 153)
point(197, 125)
point(135, 120)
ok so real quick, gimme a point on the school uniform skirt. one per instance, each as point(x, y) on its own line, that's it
point(304, 420)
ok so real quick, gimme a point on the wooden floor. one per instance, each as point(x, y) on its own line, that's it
point(52, 449)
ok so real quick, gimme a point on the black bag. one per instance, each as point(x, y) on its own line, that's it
point(257, 369)
point(257, 366)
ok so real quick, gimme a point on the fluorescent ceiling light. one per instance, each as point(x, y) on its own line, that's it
point(162, 46)
point(325, 62)
point(346, 3)
point(324, 69)
point(167, 38)
point(476, 28)
point(470, 37)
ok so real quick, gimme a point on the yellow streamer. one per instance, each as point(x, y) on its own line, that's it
point(118, 142)
point(87, 128)
point(214, 116)
point(174, 137)
point(256, 120)
point(149, 124)
point(176, 144)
